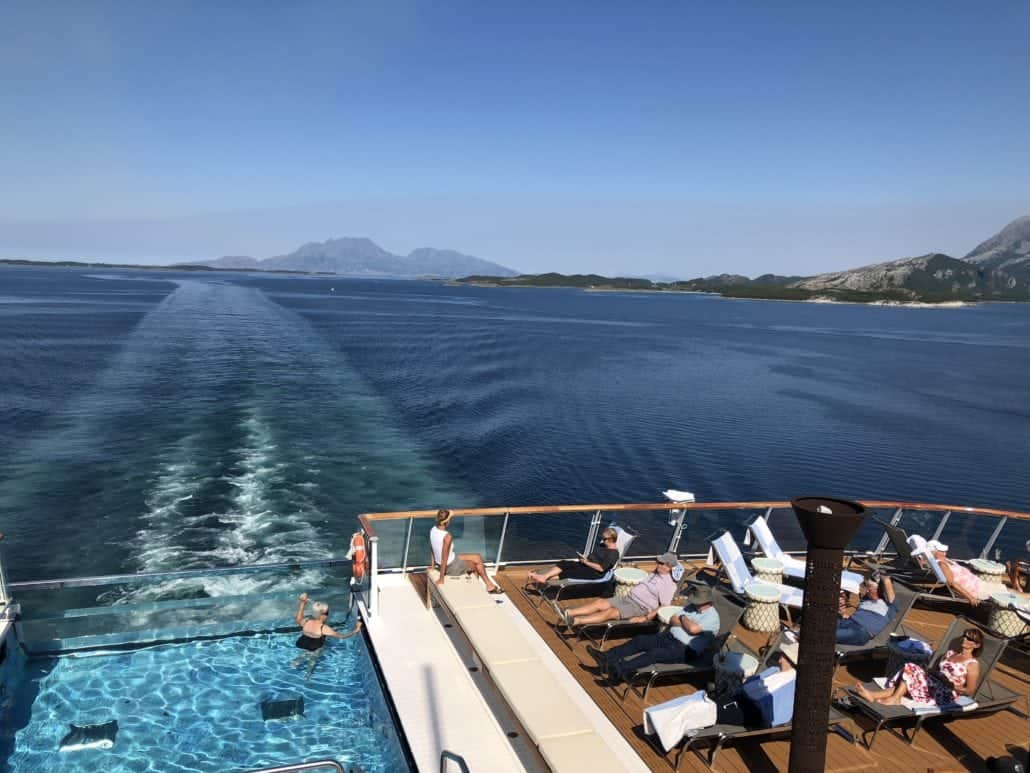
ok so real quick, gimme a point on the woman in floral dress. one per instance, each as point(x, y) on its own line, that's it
point(957, 674)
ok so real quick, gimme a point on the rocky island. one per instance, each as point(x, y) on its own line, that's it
point(997, 270)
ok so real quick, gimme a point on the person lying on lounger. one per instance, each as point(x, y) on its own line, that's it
point(590, 567)
point(690, 632)
point(640, 605)
point(960, 579)
point(874, 612)
point(957, 673)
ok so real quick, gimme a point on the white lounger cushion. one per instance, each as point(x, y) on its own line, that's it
point(543, 708)
point(495, 637)
point(794, 567)
point(462, 593)
point(740, 576)
point(585, 751)
point(561, 731)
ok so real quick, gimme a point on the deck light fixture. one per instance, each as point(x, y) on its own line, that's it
point(828, 525)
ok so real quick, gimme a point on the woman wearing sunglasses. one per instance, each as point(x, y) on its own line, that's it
point(957, 673)
point(590, 567)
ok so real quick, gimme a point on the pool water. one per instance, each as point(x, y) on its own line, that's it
point(195, 706)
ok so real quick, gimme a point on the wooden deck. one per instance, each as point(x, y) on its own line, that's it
point(963, 744)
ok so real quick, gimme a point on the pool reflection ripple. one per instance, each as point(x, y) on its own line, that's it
point(196, 706)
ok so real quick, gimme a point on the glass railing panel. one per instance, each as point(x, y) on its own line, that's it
point(546, 538)
point(107, 612)
point(1013, 542)
point(701, 526)
point(921, 522)
point(868, 536)
point(653, 528)
point(392, 536)
point(966, 534)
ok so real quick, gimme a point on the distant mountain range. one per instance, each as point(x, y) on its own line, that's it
point(363, 257)
point(998, 269)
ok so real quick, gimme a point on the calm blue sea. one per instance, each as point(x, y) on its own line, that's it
point(153, 421)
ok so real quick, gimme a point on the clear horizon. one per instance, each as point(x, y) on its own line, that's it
point(684, 140)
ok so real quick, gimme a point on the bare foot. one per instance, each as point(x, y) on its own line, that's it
point(861, 690)
point(891, 700)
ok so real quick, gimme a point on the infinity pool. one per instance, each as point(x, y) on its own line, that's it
point(196, 706)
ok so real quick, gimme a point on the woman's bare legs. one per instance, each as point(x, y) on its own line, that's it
point(554, 571)
point(890, 697)
point(475, 562)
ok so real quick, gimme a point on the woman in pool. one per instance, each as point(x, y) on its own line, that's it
point(313, 629)
point(957, 673)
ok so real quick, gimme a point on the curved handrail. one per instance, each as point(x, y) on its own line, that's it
point(367, 519)
point(301, 766)
point(457, 759)
point(179, 574)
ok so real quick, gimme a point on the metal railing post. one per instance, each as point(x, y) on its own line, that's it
point(674, 543)
point(4, 598)
point(407, 544)
point(500, 542)
point(373, 577)
point(994, 537)
point(595, 523)
point(882, 546)
point(941, 525)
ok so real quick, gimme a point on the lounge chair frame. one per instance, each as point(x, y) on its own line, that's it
point(904, 599)
point(717, 736)
point(740, 583)
point(989, 695)
point(622, 626)
point(558, 587)
point(730, 610)
point(792, 567)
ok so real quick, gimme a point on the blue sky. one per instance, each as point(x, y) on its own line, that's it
point(678, 138)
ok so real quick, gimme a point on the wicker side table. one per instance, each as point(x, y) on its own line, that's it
point(1003, 619)
point(768, 570)
point(763, 608)
point(625, 578)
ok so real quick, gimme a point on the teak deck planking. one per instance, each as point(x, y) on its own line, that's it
point(964, 744)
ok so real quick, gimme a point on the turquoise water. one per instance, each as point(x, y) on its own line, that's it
point(196, 706)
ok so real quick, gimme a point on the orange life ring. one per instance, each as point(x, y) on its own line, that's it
point(357, 556)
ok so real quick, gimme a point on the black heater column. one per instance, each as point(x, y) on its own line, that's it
point(828, 524)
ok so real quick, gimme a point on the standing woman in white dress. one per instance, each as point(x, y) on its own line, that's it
point(450, 562)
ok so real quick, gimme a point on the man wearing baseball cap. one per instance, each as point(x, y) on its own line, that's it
point(690, 632)
point(640, 605)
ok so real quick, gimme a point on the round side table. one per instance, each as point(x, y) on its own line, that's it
point(763, 608)
point(1003, 619)
point(900, 652)
point(988, 571)
point(625, 578)
point(731, 669)
point(768, 570)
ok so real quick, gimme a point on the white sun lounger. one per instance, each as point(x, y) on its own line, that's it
point(794, 567)
point(740, 576)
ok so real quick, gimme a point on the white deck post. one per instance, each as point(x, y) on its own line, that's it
point(4, 598)
point(373, 577)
